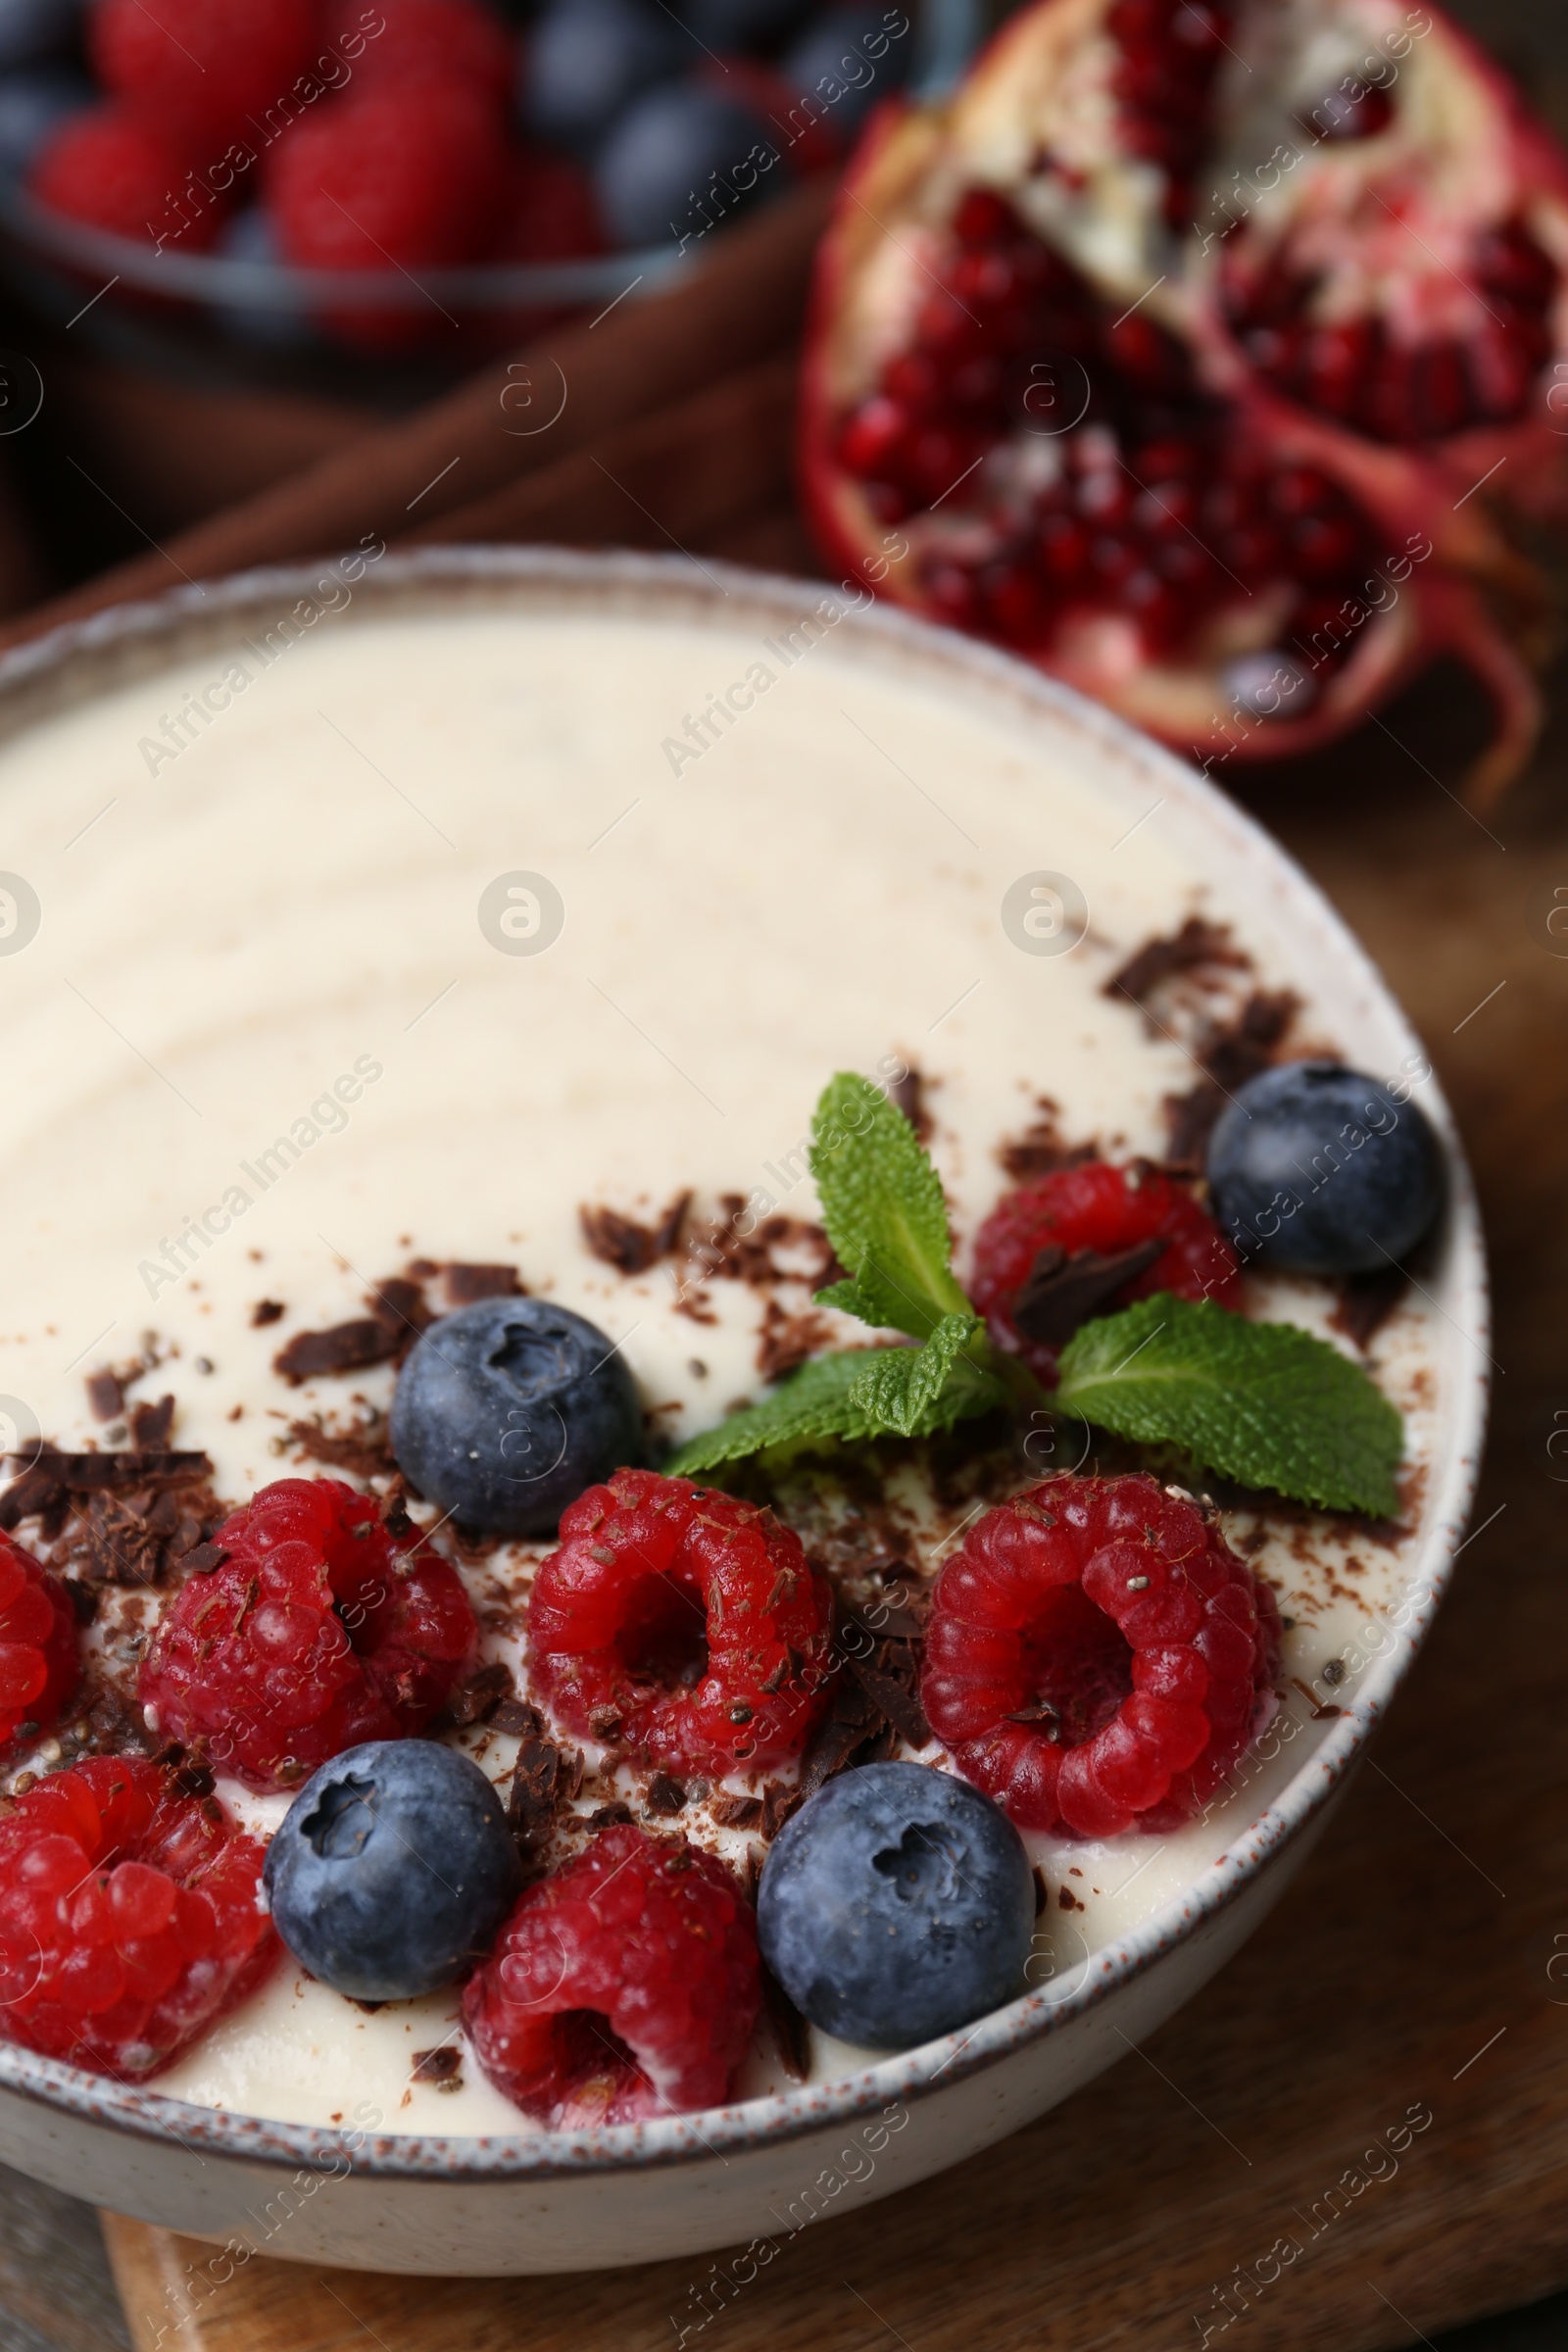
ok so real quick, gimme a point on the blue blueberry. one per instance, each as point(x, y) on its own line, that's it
point(833, 66)
point(393, 1870)
point(586, 60)
point(682, 159)
point(29, 29)
point(33, 103)
point(506, 1409)
point(739, 23)
point(897, 1904)
point(1317, 1168)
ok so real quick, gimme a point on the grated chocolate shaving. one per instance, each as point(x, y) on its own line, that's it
point(786, 1341)
point(1230, 1053)
point(477, 1699)
point(908, 1094)
point(151, 1425)
point(790, 2029)
point(1197, 944)
point(266, 1310)
point(665, 1794)
point(345, 1347)
point(1062, 1292)
point(736, 1812)
point(630, 1247)
point(1042, 1148)
point(1367, 1301)
point(466, 1283)
point(363, 1446)
point(544, 1777)
point(895, 1701)
point(437, 2065)
point(106, 1398)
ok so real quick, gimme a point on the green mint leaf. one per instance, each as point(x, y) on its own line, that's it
point(851, 1300)
point(813, 1402)
point(842, 1398)
point(901, 1386)
point(883, 1208)
point(1264, 1403)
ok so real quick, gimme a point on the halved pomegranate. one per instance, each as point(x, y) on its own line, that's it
point(1205, 439)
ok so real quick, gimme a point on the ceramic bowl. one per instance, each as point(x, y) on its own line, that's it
point(686, 2184)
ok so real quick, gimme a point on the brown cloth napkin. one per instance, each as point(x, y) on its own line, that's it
point(672, 425)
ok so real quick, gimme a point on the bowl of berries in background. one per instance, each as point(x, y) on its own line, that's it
point(334, 187)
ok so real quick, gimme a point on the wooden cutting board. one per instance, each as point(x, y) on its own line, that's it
point(1412, 1967)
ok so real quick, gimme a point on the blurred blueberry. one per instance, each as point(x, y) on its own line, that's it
point(33, 103)
point(248, 236)
point(33, 27)
point(586, 60)
point(741, 23)
point(834, 54)
point(655, 172)
point(1318, 1168)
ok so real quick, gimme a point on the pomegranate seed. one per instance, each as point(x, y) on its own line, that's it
point(1152, 359)
point(1165, 507)
point(870, 442)
point(1441, 387)
point(984, 218)
point(1253, 552)
point(1156, 606)
point(1301, 490)
point(1339, 117)
point(1115, 560)
point(952, 594)
point(1018, 603)
point(1324, 547)
point(1063, 548)
point(1337, 361)
point(1104, 497)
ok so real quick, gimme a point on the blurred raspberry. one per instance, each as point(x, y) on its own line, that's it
point(40, 1662)
point(113, 171)
point(317, 1632)
point(624, 1985)
point(549, 213)
point(129, 1918)
point(426, 41)
point(198, 68)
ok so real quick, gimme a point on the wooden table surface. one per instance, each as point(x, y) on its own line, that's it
point(1411, 1964)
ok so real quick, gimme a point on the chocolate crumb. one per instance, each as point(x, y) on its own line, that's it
point(1042, 1890)
point(736, 1812)
point(1334, 1671)
point(1042, 1148)
point(466, 1283)
point(908, 1094)
point(514, 1716)
point(1067, 1900)
point(85, 1599)
point(204, 1558)
point(106, 1398)
point(607, 1816)
point(895, 1701)
point(266, 1310)
point(441, 2066)
point(151, 1425)
point(790, 2030)
point(631, 1249)
point(1197, 944)
point(477, 1699)
point(1367, 1301)
point(345, 1347)
point(666, 1795)
point(364, 1445)
point(787, 1340)
point(1062, 1291)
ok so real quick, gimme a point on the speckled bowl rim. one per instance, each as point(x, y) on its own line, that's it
point(621, 583)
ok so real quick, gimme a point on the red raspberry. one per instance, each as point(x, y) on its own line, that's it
point(129, 1918)
point(426, 41)
point(401, 178)
point(549, 212)
point(625, 1985)
point(1107, 1209)
point(1097, 1657)
point(39, 1663)
point(317, 1632)
point(687, 1625)
point(198, 68)
point(111, 169)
